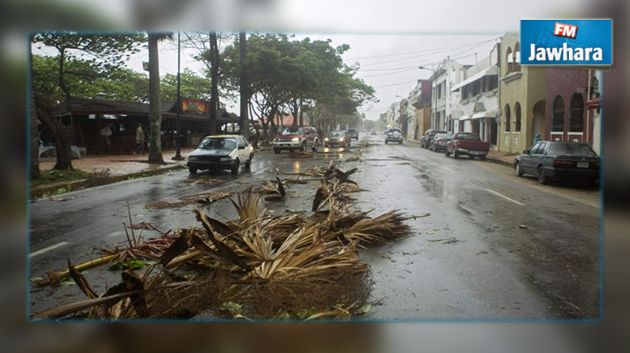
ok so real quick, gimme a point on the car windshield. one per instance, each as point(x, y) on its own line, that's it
point(337, 133)
point(466, 136)
point(442, 136)
point(394, 130)
point(218, 144)
point(293, 131)
point(571, 149)
point(353, 131)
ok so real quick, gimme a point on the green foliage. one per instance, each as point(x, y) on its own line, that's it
point(131, 264)
point(84, 81)
point(191, 86)
point(296, 75)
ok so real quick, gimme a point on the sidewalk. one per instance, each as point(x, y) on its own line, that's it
point(106, 170)
point(501, 157)
point(116, 165)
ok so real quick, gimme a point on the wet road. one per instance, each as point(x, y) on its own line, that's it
point(493, 247)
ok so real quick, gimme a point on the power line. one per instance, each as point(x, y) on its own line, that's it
point(424, 50)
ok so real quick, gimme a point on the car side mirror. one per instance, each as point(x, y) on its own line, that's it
point(241, 147)
point(525, 151)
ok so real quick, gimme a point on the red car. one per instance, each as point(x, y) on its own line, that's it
point(467, 143)
point(299, 138)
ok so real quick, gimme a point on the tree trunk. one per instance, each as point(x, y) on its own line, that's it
point(155, 114)
point(214, 82)
point(242, 41)
point(61, 132)
point(295, 109)
point(34, 167)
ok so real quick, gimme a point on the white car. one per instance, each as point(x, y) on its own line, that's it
point(221, 152)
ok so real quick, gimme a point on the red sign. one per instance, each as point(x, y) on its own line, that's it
point(565, 30)
point(194, 106)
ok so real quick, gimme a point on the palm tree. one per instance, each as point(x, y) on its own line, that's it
point(155, 113)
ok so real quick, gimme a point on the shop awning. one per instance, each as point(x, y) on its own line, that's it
point(465, 117)
point(485, 114)
point(492, 70)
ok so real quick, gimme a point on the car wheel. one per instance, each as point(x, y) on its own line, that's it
point(400, 143)
point(446, 153)
point(276, 150)
point(235, 167)
point(455, 155)
point(248, 164)
point(542, 178)
point(385, 141)
point(517, 170)
point(192, 170)
point(482, 157)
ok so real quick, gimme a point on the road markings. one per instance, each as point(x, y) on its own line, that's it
point(505, 197)
point(52, 247)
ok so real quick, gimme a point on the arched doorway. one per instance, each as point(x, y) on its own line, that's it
point(538, 120)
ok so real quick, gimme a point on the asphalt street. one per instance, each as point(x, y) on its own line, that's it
point(486, 244)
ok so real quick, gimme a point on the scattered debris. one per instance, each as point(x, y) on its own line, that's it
point(204, 198)
point(522, 226)
point(297, 265)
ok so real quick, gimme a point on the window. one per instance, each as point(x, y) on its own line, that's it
point(576, 120)
point(558, 114)
point(508, 60)
point(517, 113)
point(541, 148)
point(534, 148)
point(508, 118)
point(517, 57)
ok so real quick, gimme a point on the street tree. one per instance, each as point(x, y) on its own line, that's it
point(155, 113)
point(103, 53)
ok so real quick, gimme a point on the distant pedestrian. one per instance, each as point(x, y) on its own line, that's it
point(537, 139)
point(106, 135)
point(140, 139)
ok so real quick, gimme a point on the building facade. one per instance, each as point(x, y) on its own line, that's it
point(479, 102)
point(419, 109)
point(522, 97)
point(444, 103)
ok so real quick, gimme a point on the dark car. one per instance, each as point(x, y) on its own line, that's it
point(439, 142)
point(555, 160)
point(428, 136)
point(337, 138)
point(353, 134)
point(394, 135)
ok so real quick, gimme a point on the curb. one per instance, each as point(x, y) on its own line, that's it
point(499, 161)
point(86, 183)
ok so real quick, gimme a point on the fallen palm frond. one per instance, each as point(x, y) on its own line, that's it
point(58, 276)
point(295, 265)
point(205, 198)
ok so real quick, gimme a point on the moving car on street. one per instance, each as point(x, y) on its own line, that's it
point(467, 143)
point(555, 160)
point(221, 152)
point(428, 136)
point(299, 138)
point(354, 134)
point(337, 138)
point(394, 135)
point(439, 142)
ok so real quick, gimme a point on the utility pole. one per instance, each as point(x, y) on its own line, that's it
point(244, 123)
point(178, 124)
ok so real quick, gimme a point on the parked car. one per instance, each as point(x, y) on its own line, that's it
point(425, 140)
point(354, 134)
point(554, 160)
point(296, 138)
point(373, 133)
point(467, 143)
point(394, 135)
point(337, 138)
point(221, 152)
point(439, 142)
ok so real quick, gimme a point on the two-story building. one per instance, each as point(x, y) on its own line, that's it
point(444, 103)
point(479, 102)
point(419, 109)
